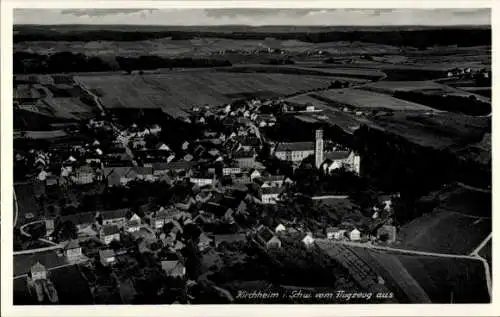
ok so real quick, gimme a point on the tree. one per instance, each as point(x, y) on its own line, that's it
point(68, 231)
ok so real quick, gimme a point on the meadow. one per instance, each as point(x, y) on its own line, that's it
point(176, 92)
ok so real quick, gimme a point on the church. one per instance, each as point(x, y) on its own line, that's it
point(327, 161)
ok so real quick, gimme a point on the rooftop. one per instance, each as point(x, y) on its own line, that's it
point(295, 146)
point(110, 230)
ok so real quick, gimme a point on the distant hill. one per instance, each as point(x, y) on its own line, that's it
point(415, 36)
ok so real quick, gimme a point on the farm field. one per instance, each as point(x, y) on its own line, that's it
point(444, 232)
point(466, 202)
point(424, 86)
point(356, 75)
point(306, 99)
point(367, 100)
point(448, 280)
point(198, 47)
point(177, 91)
point(442, 130)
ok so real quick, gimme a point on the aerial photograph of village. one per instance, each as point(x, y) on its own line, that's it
point(252, 156)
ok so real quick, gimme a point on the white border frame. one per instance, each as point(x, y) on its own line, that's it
point(8, 309)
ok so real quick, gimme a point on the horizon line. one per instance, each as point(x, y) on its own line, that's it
point(263, 25)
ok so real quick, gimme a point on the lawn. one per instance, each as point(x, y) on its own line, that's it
point(177, 91)
point(71, 286)
point(363, 99)
point(25, 194)
point(444, 232)
point(50, 259)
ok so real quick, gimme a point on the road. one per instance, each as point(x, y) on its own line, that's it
point(476, 189)
point(16, 208)
point(473, 256)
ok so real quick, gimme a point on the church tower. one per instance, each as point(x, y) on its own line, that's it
point(318, 148)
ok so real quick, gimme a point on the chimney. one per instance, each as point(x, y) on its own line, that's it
point(318, 148)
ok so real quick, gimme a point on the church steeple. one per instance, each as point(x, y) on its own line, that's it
point(318, 148)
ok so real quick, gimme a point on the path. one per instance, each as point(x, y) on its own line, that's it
point(16, 208)
point(49, 269)
point(477, 189)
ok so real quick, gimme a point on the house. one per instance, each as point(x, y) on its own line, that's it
point(241, 178)
point(133, 223)
point(80, 220)
point(310, 108)
point(143, 173)
point(280, 228)
point(270, 195)
point(229, 170)
point(294, 152)
point(355, 235)
point(387, 233)
point(272, 181)
point(335, 233)
point(49, 226)
point(185, 145)
point(118, 176)
point(107, 257)
point(173, 268)
point(346, 159)
point(38, 272)
point(267, 238)
point(113, 217)
point(204, 242)
point(202, 181)
point(109, 233)
point(254, 174)
point(83, 175)
point(72, 250)
point(245, 159)
point(229, 238)
point(308, 240)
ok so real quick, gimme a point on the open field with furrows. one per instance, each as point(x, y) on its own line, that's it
point(425, 87)
point(447, 280)
point(399, 280)
point(355, 75)
point(178, 91)
point(415, 277)
point(444, 130)
point(306, 99)
point(465, 201)
point(366, 100)
point(444, 232)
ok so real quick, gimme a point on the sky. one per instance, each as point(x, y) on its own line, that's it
point(242, 16)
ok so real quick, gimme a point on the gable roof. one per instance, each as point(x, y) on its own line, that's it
point(80, 218)
point(114, 214)
point(271, 190)
point(106, 253)
point(72, 244)
point(265, 233)
point(334, 156)
point(295, 146)
point(172, 267)
point(110, 230)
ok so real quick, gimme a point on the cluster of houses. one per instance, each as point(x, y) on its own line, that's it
point(468, 73)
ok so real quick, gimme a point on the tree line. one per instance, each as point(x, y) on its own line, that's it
point(400, 37)
point(67, 62)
